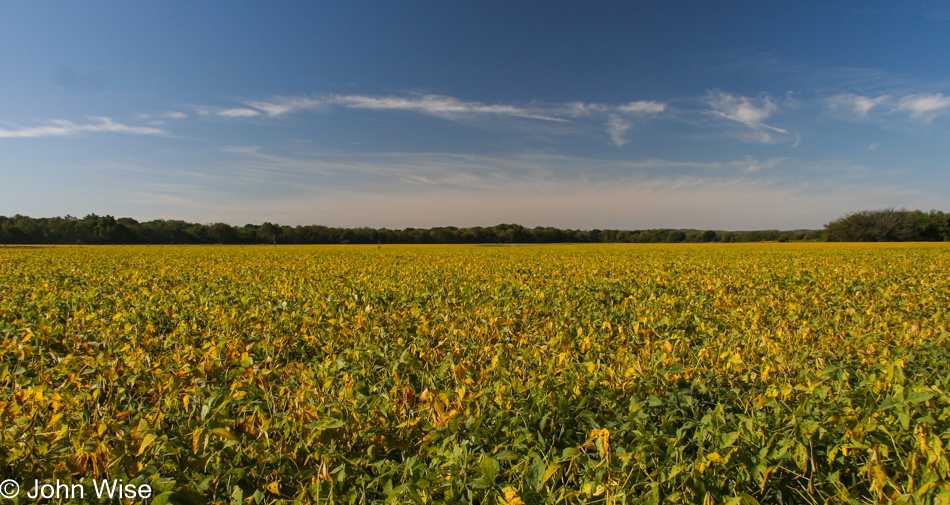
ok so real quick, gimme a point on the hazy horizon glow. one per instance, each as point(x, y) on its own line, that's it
point(745, 116)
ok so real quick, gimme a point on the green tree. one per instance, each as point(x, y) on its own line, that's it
point(269, 232)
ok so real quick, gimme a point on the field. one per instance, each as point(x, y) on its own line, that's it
point(772, 373)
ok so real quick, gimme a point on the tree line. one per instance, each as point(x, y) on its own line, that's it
point(882, 225)
point(94, 229)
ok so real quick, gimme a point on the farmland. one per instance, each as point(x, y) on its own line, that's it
point(770, 373)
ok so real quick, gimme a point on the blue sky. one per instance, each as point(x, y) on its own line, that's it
point(708, 115)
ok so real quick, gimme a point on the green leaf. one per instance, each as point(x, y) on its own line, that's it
point(237, 496)
point(919, 396)
point(489, 470)
point(729, 438)
point(889, 402)
point(675, 368)
point(535, 474)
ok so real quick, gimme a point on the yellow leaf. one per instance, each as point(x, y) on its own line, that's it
point(62, 433)
point(511, 497)
point(223, 433)
point(146, 442)
point(549, 472)
point(196, 439)
point(273, 487)
point(54, 419)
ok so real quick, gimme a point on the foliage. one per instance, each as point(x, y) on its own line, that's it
point(781, 373)
point(94, 229)
point(890, 225)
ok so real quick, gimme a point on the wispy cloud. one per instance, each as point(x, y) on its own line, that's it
point(925, 106)
point(455, 109)
point(617, 128)
point(579, 110)
point(917, 106)
point(435, 105)
point(643, 107)
point(746, 118)
point(61, 127)
point(856, 105)
point(163, 115)
point(447, 106)
point(439, 105)
point(748, 111)
point(239, 112)
point(283, 105)
point(232, 112)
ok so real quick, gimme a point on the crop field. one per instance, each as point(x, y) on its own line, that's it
point(709, 374)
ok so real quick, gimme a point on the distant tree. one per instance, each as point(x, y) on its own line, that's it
point(676, 236)
point(222, 233)
point(248, 234)
point(921, 226)
point(105, 230)
point(709, 236)
point(868, 226)
point(268, 232)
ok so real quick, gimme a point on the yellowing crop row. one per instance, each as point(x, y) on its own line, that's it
point(775, 373)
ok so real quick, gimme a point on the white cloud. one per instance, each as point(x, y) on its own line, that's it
point(233, 112)
point(920, 106)
point(586, 110)
point(169, 115)
point(61, 127)
point(857, 105)
point(454, 109)
point(748, 111)
point(579, 109)
point(238, 112)
point(437, 105)
point(924, 106)
point(643, 107)
point(283, 105)
point(617, 128)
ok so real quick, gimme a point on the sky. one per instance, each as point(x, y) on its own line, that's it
point(626, 115)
